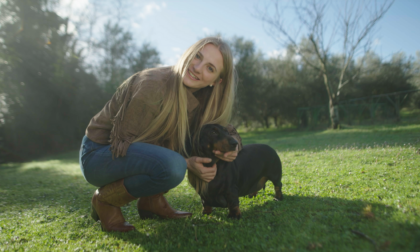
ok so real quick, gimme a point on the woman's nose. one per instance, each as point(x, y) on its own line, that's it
point(196, 67)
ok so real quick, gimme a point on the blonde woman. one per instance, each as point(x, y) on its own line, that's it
point(135, 147)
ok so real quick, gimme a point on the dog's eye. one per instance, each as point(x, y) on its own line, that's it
point(214, 133)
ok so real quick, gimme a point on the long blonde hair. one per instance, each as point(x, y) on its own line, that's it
point(171, 127)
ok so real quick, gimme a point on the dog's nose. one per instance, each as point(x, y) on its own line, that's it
point(233, 142)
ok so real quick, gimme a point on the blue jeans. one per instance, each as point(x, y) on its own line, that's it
point(147, 169)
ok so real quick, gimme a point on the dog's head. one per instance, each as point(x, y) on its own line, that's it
point(212, 137)
point(215, 137)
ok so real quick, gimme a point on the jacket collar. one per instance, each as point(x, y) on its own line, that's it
point(192, 100)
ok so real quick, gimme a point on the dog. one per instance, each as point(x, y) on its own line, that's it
point(233, 179)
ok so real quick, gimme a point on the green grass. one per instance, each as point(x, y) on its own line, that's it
point(364, 178)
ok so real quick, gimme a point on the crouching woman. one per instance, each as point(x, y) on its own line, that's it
point(135, 147)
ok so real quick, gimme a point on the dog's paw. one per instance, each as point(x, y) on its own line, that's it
point(252, 195)
point(235, 213)
point(279, 194)
point(235, 217)
point(207, 210)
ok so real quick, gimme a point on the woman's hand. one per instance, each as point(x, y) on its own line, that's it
point(195, 165)
point(228, 156)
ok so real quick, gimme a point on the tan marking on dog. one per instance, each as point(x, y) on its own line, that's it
point(262, 181)
point(222, 146)
point(279, 194)
point(260, 184)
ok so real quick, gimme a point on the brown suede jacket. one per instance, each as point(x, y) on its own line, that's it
point(131, 110)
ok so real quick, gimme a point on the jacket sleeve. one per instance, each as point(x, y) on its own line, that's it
point(232, 131)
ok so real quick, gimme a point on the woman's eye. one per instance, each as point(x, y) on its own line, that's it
point(197, 56)
point(211, 69)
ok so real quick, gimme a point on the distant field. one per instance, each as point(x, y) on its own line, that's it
point(356, 189)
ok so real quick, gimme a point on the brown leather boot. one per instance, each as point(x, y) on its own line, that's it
point(157, 204)
point(106, 203)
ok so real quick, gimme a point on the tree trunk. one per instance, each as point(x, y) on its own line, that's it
point(245, 122)
point(304, 120)
point(334, 114)
point(276, 121)
point(267, 124)
point(397, 108)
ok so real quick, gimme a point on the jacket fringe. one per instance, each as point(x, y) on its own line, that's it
point(119, 144)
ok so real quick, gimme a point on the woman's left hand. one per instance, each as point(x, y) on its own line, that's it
point(227, 156)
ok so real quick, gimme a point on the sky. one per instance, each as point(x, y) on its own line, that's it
point(172, 26)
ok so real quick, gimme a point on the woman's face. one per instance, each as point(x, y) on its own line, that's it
point(205, 68)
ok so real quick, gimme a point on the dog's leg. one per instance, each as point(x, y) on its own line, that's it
point(275, 177)
point(232, 197)
point(257, 187)
point(279, 194)
point(234, 213)
point(252, 195)
point(207, 209)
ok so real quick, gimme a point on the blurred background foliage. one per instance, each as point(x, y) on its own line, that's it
point(49, 91)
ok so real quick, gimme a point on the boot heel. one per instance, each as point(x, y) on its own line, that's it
point(94, 214)
point(144, 214)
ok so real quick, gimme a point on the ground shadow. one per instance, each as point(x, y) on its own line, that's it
point(296, 223)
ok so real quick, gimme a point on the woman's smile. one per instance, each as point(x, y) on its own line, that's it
point(192, 76)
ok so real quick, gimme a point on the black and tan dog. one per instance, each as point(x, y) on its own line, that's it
point(256, 163)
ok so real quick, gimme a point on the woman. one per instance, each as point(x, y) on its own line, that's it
point(135, 147)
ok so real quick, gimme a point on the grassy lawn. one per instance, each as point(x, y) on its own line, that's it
point(356, 189)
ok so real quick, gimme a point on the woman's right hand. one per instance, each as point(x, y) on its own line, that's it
point(195, 165)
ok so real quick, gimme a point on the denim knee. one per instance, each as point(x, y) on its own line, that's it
point(176, 167)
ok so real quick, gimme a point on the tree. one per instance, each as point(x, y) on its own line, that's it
point(115, 48)
point(253, 103)
point(298, 85)
point(48, 95)
point(119, 57)
point(244, 59)
point(385, 77)
point(146, 57)
point(272, 90)
point(354, 21)
point(415, 81)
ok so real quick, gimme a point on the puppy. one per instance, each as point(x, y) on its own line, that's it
point(244, 176)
